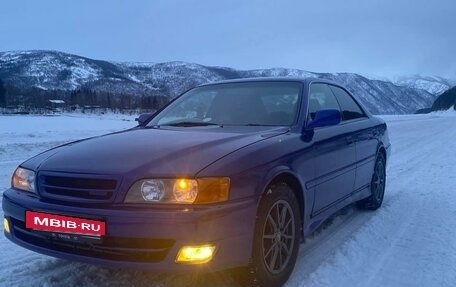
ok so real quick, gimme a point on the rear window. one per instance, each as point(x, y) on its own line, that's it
point(350, 109)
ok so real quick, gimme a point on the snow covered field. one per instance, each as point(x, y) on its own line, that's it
point(410, 241)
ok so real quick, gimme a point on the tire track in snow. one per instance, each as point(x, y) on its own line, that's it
point(340, 228)
point(432, 217)
point(351, 264)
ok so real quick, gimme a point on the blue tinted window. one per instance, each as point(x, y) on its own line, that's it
point(350, 109)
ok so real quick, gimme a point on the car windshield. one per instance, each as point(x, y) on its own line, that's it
point(248, 103)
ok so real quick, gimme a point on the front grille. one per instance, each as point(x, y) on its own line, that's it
point(110, 247)
point(77, 187)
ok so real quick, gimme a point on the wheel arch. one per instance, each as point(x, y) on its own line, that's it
point(289, 177)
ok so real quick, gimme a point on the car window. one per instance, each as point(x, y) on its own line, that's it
point(280, 107)
point(321, 98)
point(194, 107)
point(350, 109)
point(249, 103)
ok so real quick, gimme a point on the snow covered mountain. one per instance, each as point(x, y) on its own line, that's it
point(432, 84)
point(52, 70)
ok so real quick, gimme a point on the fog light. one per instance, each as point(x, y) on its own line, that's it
point(6, 225)
point(195, 254)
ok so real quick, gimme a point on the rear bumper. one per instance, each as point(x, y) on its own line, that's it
point(142, 238)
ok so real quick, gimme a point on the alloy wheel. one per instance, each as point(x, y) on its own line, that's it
point(278, 236)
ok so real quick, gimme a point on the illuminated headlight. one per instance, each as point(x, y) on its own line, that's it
point(179, 191)
point(185, 190)
point(24, 179)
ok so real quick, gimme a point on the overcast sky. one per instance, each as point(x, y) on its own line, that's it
point(379, 37)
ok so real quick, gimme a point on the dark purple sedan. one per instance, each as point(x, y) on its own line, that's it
point(231, 174)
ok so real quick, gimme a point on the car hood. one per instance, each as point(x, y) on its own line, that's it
point(144, 152)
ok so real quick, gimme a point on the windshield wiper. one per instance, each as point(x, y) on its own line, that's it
point(191, 124)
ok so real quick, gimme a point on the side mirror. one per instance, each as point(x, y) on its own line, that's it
point(143, 118)
point(324, 118)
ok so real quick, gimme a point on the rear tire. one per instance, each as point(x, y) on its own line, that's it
point(277, 237)
point(377, 186)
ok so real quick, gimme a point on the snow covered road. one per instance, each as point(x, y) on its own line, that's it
point(410, 241)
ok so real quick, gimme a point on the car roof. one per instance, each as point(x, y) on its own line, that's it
point(273, 79)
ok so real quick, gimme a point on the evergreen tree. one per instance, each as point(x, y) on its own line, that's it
point(155, 103)
point(2, 94)
point(445, 100)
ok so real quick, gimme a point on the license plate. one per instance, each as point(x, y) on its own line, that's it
point(63, 224)
point(74, 238)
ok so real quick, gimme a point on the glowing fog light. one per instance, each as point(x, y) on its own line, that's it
point(195, 254)
point(6, 225)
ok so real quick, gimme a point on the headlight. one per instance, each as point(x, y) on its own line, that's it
point(179, 191)
point(24, 179)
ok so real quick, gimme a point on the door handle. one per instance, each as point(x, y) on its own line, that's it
point(350, 141)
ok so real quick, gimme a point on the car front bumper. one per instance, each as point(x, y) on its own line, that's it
point(142, 238)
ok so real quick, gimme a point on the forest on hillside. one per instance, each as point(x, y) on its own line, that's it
point(35, 99)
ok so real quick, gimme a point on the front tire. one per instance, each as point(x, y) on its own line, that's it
point(378, 183)
point(277, 234)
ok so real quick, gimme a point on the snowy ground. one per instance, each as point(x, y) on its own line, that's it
point(410, 241)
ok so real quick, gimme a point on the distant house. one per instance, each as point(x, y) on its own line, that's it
point(56, 105)
point(57, 102)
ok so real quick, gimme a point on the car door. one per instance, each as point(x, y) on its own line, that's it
point(364, 134)
point(334, 151)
